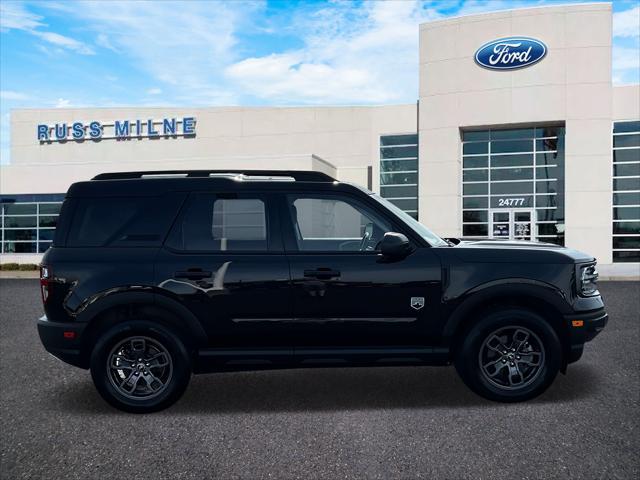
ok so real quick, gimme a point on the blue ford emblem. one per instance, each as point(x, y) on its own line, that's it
point(510, 53)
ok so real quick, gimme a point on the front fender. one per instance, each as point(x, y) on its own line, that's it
point(473, 300)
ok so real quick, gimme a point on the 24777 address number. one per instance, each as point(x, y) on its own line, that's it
point(511, 202)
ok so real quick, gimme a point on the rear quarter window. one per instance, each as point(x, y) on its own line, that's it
point(122, 221)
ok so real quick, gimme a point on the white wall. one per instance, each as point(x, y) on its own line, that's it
point(571, 84)
point(346, 137)
point(626, 103)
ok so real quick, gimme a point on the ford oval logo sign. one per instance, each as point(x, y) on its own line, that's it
point(510, 53)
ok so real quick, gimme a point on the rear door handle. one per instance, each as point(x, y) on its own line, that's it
point(193, 274)
point(322, 273)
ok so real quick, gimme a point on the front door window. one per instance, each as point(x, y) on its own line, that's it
point(335, 224)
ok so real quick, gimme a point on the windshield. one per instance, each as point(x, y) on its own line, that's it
point(433, 239)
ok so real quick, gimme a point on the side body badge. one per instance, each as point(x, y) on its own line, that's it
point(417, 303)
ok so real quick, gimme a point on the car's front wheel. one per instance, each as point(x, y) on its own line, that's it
point(140, 367)
point(510, 355)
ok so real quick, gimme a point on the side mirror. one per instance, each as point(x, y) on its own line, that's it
point(395, 245)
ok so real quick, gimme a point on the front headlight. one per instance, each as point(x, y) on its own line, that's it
point(588, 280)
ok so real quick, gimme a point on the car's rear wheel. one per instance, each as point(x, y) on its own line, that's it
point(140, 367)
point(510, 355)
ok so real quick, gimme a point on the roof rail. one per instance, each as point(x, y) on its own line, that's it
point(297, 175)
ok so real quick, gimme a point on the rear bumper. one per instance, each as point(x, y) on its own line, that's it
point(62, 340)
point(584, 327)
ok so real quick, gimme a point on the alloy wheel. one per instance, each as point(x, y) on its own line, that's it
point(139, 368)
point(511, 357)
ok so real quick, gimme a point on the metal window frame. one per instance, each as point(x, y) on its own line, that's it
point(507, 154)
point(37, 227)
point(402, 134)
point(400, 198)
point(394, 146)
point(613, 178)
point(416, 171)
point(398, 171)
point(515, 181)
point(399, 158)
point(398, 185)
point(489, 155)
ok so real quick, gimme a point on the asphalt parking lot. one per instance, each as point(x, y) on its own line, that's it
point(382, 423)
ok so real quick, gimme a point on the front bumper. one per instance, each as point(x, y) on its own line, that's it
point(62, 340)
point(584, 327)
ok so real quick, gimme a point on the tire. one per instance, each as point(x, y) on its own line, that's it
point(510, 355)
point(140, 386)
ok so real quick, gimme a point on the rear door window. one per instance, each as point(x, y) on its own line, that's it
point(220, 223)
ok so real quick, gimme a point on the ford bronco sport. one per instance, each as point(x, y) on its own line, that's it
point(154, 276)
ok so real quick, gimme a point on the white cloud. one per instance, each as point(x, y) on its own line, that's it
point(626, 65)
point(627, 23)
point(13, 16)
point(472, 7)
point(196, 52)
point(62, 103)
point(624, 58)
point(49, 51)
point(64, 42)
point(103, 41)
point(286, 77)
point(184, 46)
point(13, 95)
point(365, 53)
point(626, 46)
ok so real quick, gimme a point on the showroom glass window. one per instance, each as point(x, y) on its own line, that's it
point(28, 222)
point(513, 178)
point(626, 191)
point(399, 171)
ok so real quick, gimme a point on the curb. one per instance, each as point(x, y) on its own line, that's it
point(18, 274)
point(618, 278)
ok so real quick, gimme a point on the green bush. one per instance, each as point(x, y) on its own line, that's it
point(24, 267)
point(28, 267)
point(10, 266)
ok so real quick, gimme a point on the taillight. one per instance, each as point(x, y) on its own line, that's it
point(45, 278)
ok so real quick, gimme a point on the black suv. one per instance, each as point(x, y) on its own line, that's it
point(153, 276)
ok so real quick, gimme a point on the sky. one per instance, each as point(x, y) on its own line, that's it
point(66, 54)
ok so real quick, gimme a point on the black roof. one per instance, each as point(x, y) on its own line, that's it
point(297, 175)
point(161, 181)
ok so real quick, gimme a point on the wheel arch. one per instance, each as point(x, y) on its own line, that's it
point(543, 299)
point(121, 306)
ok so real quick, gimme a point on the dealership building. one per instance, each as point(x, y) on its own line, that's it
point(516, 132)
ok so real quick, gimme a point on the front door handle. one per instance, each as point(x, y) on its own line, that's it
point(322, 273)
point(193, 274)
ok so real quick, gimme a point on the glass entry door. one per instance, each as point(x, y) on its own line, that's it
point(512, 224)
